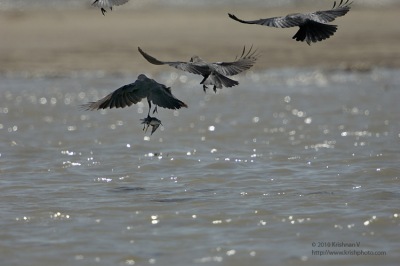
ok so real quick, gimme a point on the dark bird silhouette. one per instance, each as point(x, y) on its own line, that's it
point(151, 121)
point(143, 87)
point(103, 4)
point(214, 74)
point(313, 27)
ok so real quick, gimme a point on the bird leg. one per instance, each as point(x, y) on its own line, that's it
point(103, 11)
point(145, 128)
point(148, 114)
point(146, 121)
point(215, 89)
point(205, 88)
point(145, 131)
point(155, 108)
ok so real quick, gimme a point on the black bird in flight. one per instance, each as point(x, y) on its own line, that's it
point(214, 74)
point(103, 4)
point(143, 87)
point(313, 27)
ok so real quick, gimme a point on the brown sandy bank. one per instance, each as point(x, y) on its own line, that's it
point(60, 41)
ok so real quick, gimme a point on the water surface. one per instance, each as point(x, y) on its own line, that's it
point(263, 172)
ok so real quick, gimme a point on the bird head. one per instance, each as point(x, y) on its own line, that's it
point(142, 77)
point(195, 59)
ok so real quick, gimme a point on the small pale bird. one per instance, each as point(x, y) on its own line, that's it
point(103, 4)
point(143, 87)
point(313, 27)
point(214, 74)
point(151, 121)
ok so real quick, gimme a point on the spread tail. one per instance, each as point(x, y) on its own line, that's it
point(314, 31)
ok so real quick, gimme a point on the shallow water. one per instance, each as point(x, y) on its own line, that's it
point(255, 174)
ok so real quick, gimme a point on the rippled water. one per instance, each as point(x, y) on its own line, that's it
point(267, 172)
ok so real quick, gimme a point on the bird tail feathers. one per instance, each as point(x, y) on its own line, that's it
point(314, 31)
point(219, 81)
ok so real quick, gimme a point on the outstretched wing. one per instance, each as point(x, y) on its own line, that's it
point(277, 22)
point(154, 127)
point(108, 3)
point(245, 61)
point(122, 97)
point(185, 66)
point(330, 15)
point(161, 96)
point(294, 20)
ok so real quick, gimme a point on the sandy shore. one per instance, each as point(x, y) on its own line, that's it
point(60, 41)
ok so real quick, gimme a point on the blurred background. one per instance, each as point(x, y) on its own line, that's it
point(132, 4)
point(64, 36)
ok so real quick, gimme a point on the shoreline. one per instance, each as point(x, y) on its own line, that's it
point(65, 41)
